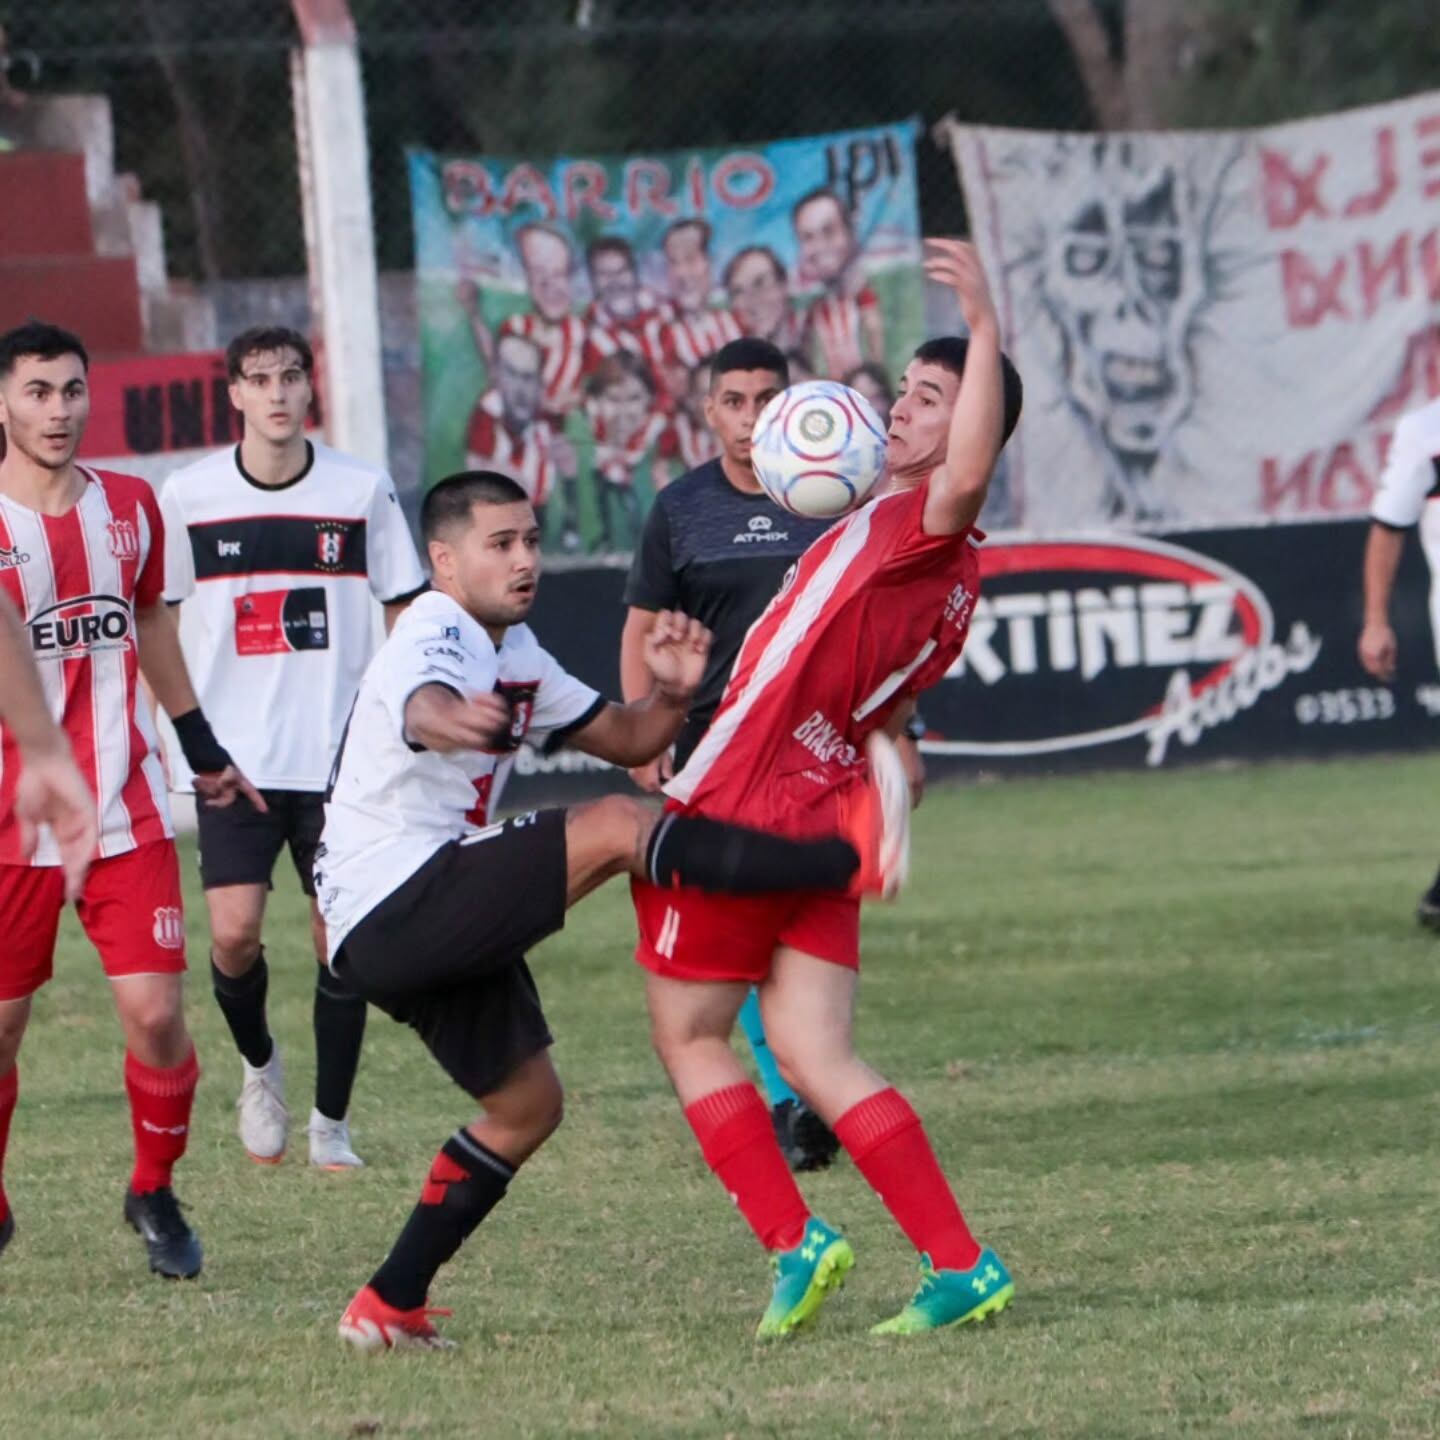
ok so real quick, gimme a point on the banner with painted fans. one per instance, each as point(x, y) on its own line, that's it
point(1214, 328)
point(569, 306)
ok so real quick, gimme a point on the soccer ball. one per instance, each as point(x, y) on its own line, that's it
point(818, 449)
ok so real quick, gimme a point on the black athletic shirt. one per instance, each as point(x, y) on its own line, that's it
point(719, 555)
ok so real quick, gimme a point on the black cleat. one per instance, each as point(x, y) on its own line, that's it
point(806, 1141)
point(1427, 912)
point(7, 1230)
point(173, 1247)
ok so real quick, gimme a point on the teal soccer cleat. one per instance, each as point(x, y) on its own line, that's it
point(804, 1276)
point(953, 1297)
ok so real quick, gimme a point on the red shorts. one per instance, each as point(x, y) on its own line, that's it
point(130, 908)
point(693, 935)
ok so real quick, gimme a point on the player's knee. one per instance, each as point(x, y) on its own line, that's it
point(12, 1031)
point(235, 945)
point(625, 824)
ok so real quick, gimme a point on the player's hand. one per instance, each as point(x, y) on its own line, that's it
point(651, 777)
point(676, 649)
point(440, 720)
point(221, 788)
point(1378, 650)
point(956, 263)
point(914, 764)
point(51, 791)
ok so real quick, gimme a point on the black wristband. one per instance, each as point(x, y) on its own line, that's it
point(915, 728)
point(204, 754)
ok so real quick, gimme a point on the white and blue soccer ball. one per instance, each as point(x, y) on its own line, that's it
point(818, 449)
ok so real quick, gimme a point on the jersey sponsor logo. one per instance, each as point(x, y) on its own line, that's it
point(276, 622)
point(277, 545)
point(824, 740)
point(451, 632)
point(169, 927)
point(449, 651)
point(1150, 640)
point(228, 549)
point(520, 696)
point(760, 530)
point(83, 626)
point(13, 558)
point(124, 539)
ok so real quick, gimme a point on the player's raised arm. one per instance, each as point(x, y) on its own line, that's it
point(959, 485)
point(437, 718)
point(674, 650)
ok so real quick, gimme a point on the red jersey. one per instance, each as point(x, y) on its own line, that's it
point(875, 611)
point(77, 580)
point(523, 455)
point(565, 351)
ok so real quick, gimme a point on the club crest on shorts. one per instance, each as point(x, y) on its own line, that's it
point(169, 927)
point(124, 539)
point(330, 546)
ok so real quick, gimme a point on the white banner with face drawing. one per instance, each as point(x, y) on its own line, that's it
point(1216, 328)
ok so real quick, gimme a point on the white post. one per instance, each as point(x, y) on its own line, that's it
point(339, 226)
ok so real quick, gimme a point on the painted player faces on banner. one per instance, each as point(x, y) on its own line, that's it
point(1216, 328)
point(568, 307)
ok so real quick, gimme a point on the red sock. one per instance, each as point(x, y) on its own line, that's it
point(738, 1141)
point(160, 1103)
point(9, 1093)
point(887, 1142)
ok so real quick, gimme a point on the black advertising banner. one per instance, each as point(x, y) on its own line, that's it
point(1111, 651)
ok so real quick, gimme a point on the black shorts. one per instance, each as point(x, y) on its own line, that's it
point(445, 952)
point(239, 845)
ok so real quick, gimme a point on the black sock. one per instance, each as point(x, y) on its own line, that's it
point(242, 1002)
point(339, 1031)
point(465, 1184)
point(690, 850)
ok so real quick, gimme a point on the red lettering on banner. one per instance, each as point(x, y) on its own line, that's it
point(743, 181)
point(1429, 248)
point(1291, 194)
point(1387, 181)
point(467, 189)
point(1393, 263)
point(695, 178)
point(1417, 382)
point(525, 185)
point(585, 184)
point(647, 186)
point(1310, 294)
point(1425, 127)
point(1337, 482)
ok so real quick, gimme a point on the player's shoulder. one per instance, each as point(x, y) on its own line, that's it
point(122, 491)
point(705, 482)
point(1420, 426)
point(218, 465)
point(338, 465)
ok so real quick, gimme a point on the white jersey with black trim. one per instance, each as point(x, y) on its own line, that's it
point(393, 804)
point(1409, 482)
point(279, 584)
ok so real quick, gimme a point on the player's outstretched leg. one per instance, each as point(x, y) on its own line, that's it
point(161, 1073)
point(691, 1025)
point(467, 1179)
point(805, 1140)
point(809, 1008)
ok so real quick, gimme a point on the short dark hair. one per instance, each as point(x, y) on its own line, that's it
point(610, 245)
point(615, 368)
point(262, 340)
point(776, 263)
point(949, 351)
point(692, 222)
point(750, 353)
point(42, 341)
point(448, 502)
point(823, 192)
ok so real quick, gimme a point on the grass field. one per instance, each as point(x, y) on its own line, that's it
point(1174, 1035)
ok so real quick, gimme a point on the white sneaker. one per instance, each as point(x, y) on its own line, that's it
point(330, 1143)
point(264, 1120)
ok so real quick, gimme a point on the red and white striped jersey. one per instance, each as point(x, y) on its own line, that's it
point(688, 339)
point(77, 580)
point(523, 455)
point(617, 463)
point(563, 351)
point(874, 612)
point(835, 325)
point(696, 443)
